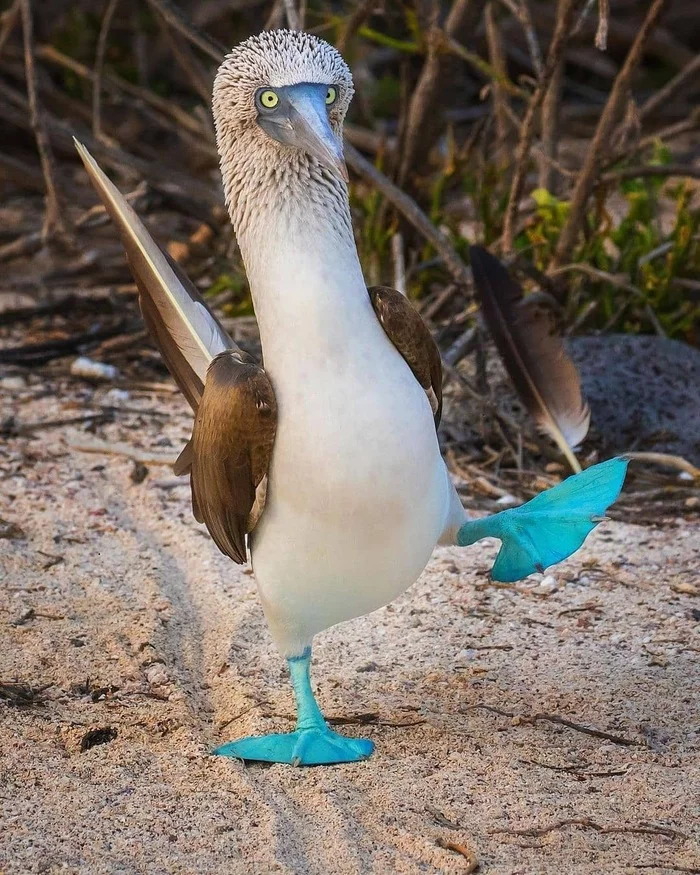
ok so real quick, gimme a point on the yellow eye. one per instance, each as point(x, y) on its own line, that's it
point(331, 95)
point(269, 99)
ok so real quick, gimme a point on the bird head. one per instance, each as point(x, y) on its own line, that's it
point(280, 98)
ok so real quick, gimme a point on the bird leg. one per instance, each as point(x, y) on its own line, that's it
point(312, 743)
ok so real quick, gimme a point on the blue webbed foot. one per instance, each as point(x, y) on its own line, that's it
point(316, 746)
point(312, 744)
point(551, 526)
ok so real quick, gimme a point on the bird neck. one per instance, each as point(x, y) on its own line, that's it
point(295, 235)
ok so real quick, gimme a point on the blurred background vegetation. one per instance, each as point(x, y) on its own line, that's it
point(565, 136)
point(444, 95)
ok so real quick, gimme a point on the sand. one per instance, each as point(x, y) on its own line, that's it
point(119, 605)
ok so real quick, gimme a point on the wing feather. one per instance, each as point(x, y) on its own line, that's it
point(185, 330)
point(229, 453)
point(409, 334)
point(232, 441)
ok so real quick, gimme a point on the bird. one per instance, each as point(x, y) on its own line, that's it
point(323, 462)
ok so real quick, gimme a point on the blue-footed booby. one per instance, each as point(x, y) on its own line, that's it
point(325, 463)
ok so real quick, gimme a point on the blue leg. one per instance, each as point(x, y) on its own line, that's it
point(552, 525)
point(312, 744)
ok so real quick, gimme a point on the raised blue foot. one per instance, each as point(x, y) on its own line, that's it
point(552, 525)
point(312, 743)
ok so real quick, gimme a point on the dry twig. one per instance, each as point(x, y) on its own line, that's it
point(175, 18)
point(423, 119)
point(664, 95)
point(410, 210)
point(647, 170)
point(527, 129)
point(497, 59)
point(116, 83)
point(521, 11)
point(99, 64)
point(587, 823)
point(8, 21)
point(594, 153)
point(560, 721)
point(470, 858)
point(551, 106)
point(601, 34)
point(295, 19)
point(54, 218)
point(361, 12)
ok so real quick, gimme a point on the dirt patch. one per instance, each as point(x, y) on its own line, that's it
point(548, 727)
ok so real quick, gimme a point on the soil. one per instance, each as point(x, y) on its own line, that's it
point(548, 727)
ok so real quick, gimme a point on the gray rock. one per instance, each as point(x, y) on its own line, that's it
point(644, 392)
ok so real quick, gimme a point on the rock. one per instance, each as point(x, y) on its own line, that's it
point(644, 392)
point(116, 396)
point(92, 370)
point(13, 384)
point(156, 675)
point(11, 531)
point(508, 500)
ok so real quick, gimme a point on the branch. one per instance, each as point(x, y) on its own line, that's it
point(8, 20)
point(647, 170)
point(527, 129)
point(664, 95)
point(354, 23)
point(424, 118)
point(560, 721)
point(99, 65)
point(521, 11)
point(294, 16)
point(601, 34)
point(410, 210)
point(497, 59)
point(178, 22)
point(54, 217)
point(587, 823)
point(587, 177)
point(150, 98)
point(550, 122)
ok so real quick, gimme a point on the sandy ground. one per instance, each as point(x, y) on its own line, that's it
point(118, 603)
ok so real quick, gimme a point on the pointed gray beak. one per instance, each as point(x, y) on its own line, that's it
point(301, 120)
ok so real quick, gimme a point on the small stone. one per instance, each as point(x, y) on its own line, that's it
point(547, 586)
point(508, 500)
point(11, 531)
point(156, 675)
point(91, 370)
point(116, 396)
point(13, 384)
point(684, 587)
point(368, 666)
point(139, 472)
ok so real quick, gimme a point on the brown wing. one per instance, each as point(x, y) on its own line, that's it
point(234, 403)
point(409, 334)
point(230, 450)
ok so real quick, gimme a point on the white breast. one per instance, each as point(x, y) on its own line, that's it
point(358, 493)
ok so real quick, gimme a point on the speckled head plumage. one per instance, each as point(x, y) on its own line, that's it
point(278, 58)
point(251, 158)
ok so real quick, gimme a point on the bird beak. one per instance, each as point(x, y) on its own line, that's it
point(303, 122)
